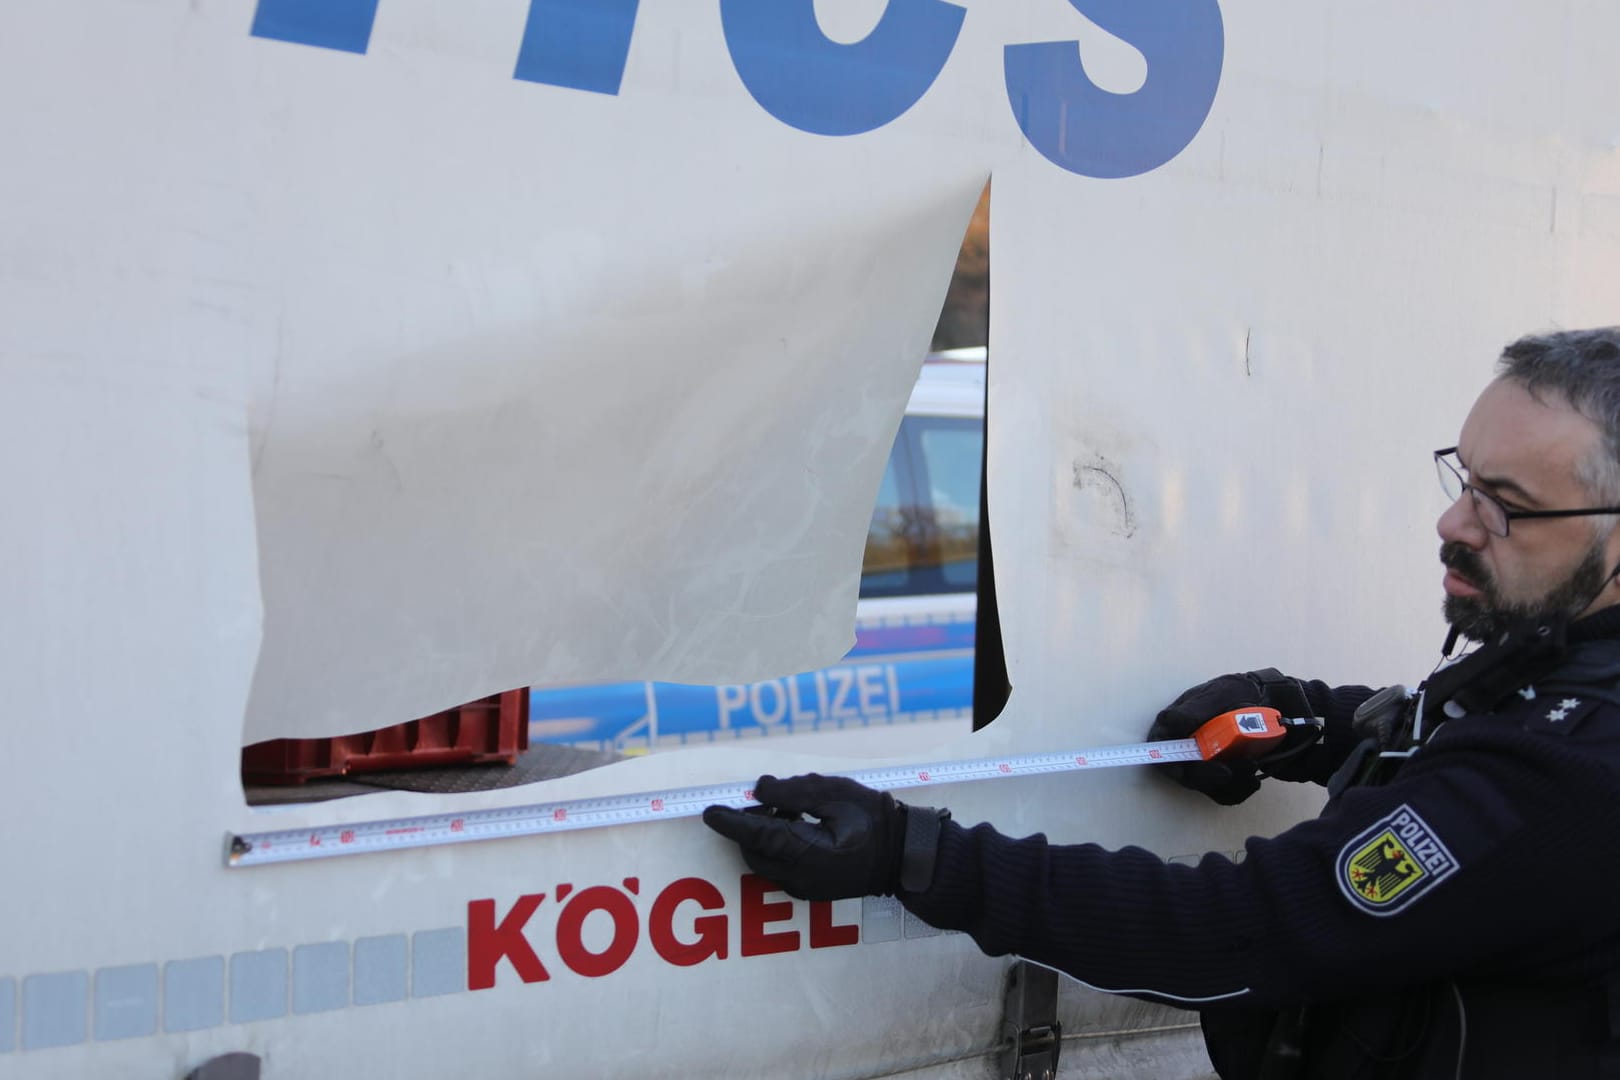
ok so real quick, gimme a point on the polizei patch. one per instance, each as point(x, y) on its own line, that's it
point(1392, 863)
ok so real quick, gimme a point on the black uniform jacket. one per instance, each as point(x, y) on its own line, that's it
point(1467, 910)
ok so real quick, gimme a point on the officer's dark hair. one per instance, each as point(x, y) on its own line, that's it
point(1583, 368)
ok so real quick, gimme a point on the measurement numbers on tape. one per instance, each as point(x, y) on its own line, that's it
point(330, 841)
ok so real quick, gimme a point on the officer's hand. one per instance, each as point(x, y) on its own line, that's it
point(853, 849)
point(1227, 782)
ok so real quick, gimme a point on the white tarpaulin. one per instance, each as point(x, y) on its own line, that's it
point(570, 393)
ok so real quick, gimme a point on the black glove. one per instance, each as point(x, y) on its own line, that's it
point(853, 850)
point(1227, 782)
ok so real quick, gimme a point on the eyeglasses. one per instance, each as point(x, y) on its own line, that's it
point(1492, 514)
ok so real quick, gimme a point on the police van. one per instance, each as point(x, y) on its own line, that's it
point(908, 680)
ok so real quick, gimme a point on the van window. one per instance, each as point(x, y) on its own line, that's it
point(886, 566)
point(924, 536)
point(948, 457)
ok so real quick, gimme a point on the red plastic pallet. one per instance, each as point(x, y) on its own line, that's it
point(491, 729)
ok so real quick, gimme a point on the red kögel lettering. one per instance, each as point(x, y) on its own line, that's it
point(711, 929)
point(757, 912)
point(824, 933)
point(488, 942)
point(570, 924)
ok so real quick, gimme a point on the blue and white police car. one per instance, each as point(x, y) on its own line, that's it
point(909, 678)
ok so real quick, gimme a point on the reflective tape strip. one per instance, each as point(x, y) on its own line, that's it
point(331, 841)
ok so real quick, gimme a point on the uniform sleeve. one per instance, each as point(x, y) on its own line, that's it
point(1335, 705)
point(1468, 864)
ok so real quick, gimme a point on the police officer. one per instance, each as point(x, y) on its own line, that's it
point(1455, 909)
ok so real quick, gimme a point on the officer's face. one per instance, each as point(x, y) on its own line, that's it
point(1526, 453)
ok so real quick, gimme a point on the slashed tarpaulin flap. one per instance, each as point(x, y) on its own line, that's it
point(651, 451)
point(598, 388)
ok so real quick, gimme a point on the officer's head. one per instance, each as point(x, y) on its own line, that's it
point(1543, 438)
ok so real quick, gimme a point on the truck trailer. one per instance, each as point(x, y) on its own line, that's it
point(364, 358)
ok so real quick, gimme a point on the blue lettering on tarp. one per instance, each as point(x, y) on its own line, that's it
point(810, 82)
point(328, 24)
point(807, 81)
point(580, 44)
point(1087, 130)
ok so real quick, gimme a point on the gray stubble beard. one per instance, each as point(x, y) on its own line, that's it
point(1487, 617)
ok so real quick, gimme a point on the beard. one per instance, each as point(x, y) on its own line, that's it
point(1488, 616)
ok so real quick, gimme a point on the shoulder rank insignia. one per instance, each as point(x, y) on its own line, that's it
point(1392, 863)
point(1559, 714)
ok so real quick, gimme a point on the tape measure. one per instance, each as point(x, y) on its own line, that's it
point(1242, 732)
